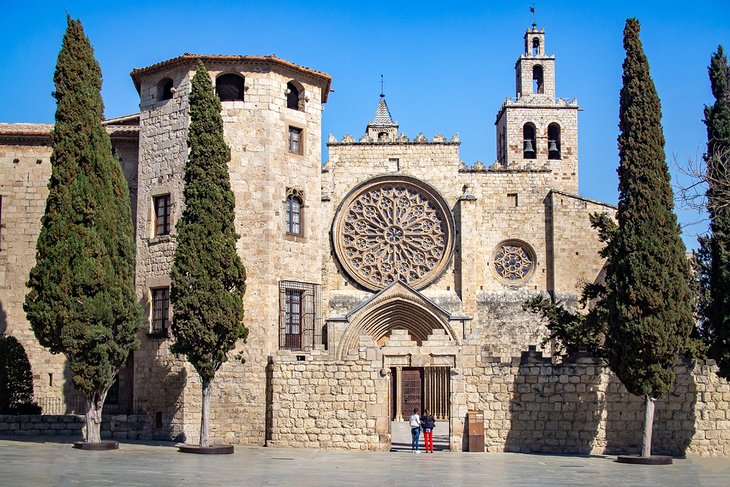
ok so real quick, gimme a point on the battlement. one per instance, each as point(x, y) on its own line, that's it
point(401, 139)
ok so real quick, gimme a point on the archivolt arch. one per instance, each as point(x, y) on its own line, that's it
point(399, 311)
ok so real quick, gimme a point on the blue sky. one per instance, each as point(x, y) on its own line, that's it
point(447, 66)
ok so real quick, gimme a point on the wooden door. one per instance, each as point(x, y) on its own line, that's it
point(411, 391)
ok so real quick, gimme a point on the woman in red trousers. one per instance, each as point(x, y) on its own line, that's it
point(428, 424)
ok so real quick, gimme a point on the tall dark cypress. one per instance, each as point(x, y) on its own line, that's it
point(82, 299)
point(208, 277)
point(648, 294)
point(716, 281)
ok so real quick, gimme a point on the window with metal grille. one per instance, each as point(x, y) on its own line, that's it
point(299, 315)
point(294, 212)
point(295, 140)
point(160, 309)
point(162, 214)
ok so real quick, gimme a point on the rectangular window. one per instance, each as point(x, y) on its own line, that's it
point(293, 320)
point(300, 327)
point(160, 310)
point(512, 199)
point(1, 222)
point(162, 214)
point(295, 140)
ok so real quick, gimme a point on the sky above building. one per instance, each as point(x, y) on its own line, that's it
point(447, 66)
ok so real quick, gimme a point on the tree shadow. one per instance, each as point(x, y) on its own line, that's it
point(3, 319)
point(555, 408)
point(165, 411)
point(674, 416)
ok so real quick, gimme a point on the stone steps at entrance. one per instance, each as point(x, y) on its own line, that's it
point(400, 437)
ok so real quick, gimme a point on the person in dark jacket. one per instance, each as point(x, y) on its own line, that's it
point(428, 423)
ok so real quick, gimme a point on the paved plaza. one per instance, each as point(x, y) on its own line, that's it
point(39, 462)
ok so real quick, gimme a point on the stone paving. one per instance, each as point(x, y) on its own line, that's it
point(38, 462)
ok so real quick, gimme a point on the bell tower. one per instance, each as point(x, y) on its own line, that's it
point(536, 130)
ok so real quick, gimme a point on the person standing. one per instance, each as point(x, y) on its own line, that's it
point(428, 423)
point(415, 424)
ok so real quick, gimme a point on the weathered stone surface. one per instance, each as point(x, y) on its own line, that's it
point(336, 392)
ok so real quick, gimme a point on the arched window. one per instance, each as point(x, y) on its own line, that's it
point(292, 96)
point(294, 212)
point(554, 141)
point(164, 89)
point(229, 87)
point(529, 149)
point(535, 46)
point(537, 84)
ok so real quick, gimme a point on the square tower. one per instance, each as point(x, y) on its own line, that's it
point(535, 129)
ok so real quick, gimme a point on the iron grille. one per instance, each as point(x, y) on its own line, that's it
point(300, 319)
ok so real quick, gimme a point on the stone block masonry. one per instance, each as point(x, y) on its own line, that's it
point(330, 405)
point(530, 405)
point(118, 427)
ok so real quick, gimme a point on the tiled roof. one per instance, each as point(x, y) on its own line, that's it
point(188, 58)
point(382, 115)
point(43, 130)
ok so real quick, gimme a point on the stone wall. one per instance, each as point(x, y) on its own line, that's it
point(326, 404)
point(118, 427)
point(25, 168)
point(531, 405)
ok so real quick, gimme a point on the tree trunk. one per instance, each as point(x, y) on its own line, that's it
point(648, 425)
point(94, 407)
point(205, 413)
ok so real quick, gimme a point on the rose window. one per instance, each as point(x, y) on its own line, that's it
point(513, 261)
point(393, 229)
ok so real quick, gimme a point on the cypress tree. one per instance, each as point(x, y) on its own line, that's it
point(208, 277)
point(82, 299)
point(649, 301)
point(716, 248)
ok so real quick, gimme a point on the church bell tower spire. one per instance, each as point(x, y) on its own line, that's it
point(536, 130)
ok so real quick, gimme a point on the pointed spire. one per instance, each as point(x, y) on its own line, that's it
point(382, 128)
point(382, 115)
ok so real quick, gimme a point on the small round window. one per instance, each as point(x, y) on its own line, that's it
point(514, 261)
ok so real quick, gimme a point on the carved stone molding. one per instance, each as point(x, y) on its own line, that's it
point(514, 261)
point(393, 228)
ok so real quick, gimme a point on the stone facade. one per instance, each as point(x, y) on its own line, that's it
point(390, 277)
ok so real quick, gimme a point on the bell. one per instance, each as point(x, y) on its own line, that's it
point(552, 146)
point(528, 146)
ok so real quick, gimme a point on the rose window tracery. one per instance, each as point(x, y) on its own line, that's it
point(514, 261)
point(393, 229)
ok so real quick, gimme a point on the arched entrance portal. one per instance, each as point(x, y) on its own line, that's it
point(415, 343)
